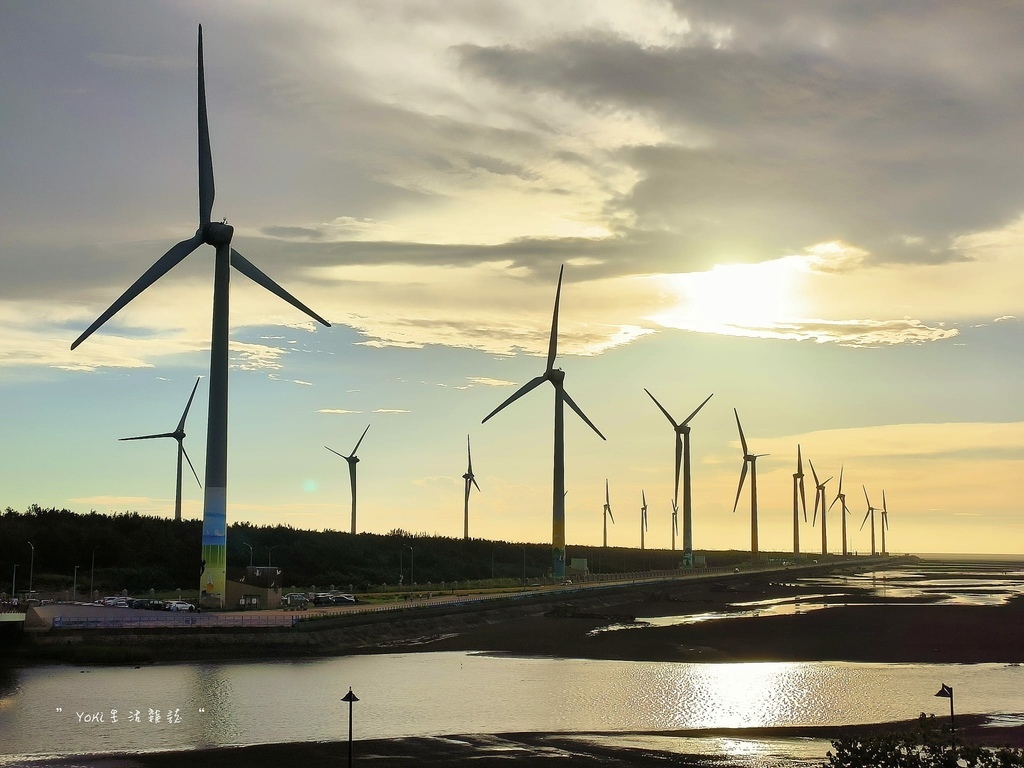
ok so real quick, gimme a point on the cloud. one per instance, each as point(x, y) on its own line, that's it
point(337, 411)
point(391, 410)
point(487, 382)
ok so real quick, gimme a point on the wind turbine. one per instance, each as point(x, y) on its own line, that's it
point(820, 497)
point(885, 522)
point(643, 518)
point(871, 514)
point(470, 480)
point(179, 435)
point(218, 234)
point(557, 378)
point(798, 485)
point(751, 459)
point(352, 460)
point(683, 454)
point(607, 513)
point(841, 496)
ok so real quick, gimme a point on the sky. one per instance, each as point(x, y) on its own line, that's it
point(814, 211)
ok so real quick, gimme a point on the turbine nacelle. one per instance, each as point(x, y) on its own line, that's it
point(216, 233)
point(555, 376)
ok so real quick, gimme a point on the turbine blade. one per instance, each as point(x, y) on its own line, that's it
point(834, 502)
point(660, 406)
point(531, 384)
point(185, 454)
point(743, 440)
point(799, 461)
point(643, 498)
point(553, 342)
point(817, 496)
point(469, 456)
point(475, 483)
point(739, 490)
point(864, 520)
point(841, 468)
point(250, 270)
point(814, 474)
point(147, 437)
point(883, 501)
point(206, 186)
point(611, 515)
point(184, 415)
point(606, 499)
point(162, 266)
point(679, 461)
point(803, 498)
point(866, 495)
point(336, 453)
point(360, 440)
point(581, 414)
point(695, 410)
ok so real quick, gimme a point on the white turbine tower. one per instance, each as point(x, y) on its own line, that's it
point(751, 459)
point(470, 479)
point(798, 491)
point(352, 460)
point(643, 518)
point(820, 497)
point(607, 513)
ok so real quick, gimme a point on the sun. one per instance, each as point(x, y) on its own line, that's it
point(736, 299)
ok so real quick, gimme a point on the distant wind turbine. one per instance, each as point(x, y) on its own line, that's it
point(557, 378)
point(607, 513)
point(885, 523)
point(643, 518)
point(820, 498)
point(470, 479)
point(352, 460)
point(682, 455)
point(179, 435)
point(843, 509)
point(217, 234)
point(675, 522)
point(751, 459)
point(798, 486)
point(870, 513)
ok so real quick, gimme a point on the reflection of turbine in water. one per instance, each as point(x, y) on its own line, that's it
point(352, 460)
point(179, 435)
point(871, 514)
point(606, 513)
point(557, 378)
point(682, 456)
point(218, 234)
point(751, 459)
point(798, 485)
point(843, 509)
point(470, 479)
point(643, 517)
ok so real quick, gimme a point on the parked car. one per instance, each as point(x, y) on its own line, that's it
point(180, 605)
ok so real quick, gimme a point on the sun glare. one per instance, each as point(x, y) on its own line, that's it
point(736, 298)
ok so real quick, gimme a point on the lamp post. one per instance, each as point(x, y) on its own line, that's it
point(351, 698)
point(74, 586)
point(412, 564)
point(14, 582)
point(250, 553)
point(270, 552)
point(946, 692)
point(31, 564)
point(92, 573)
point(524, 566)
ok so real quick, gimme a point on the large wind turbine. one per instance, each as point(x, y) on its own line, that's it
point(218, 234)
point(844, 511)
point(751, 459)
point(798, 486)
point(470, 479)
point(871, 514)
point(682, 454)
point(820, 497)
point(352, 460)
point(643, 517)
point(179, 435)
point(557, 378)
point(607, 513)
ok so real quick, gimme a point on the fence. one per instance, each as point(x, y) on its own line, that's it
point(176, 621)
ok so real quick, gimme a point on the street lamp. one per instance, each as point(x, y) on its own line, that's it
point(74, 587)
point(351, 698)
point(92, 574)
point(524, 566)
point(270, 552)
point(31, 564)
point(412, 563)
point(250, 553)
point(14, 582)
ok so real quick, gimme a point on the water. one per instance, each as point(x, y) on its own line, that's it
point(444, 693)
